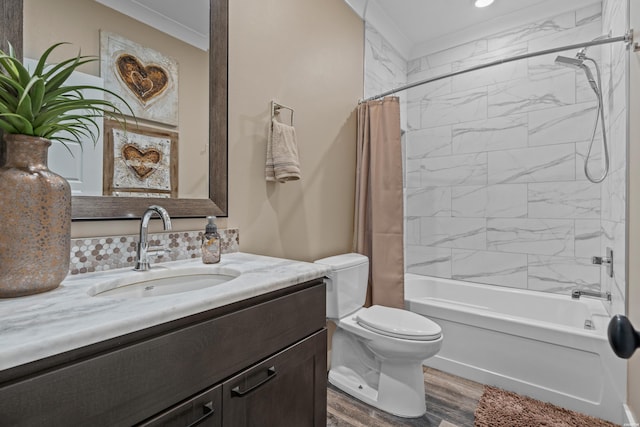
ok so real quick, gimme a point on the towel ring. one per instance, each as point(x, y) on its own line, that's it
point(276, 107)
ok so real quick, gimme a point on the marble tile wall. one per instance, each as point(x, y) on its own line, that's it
point(495, 189)
point(385, 68)
point(91, 254)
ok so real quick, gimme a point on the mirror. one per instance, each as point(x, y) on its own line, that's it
point(105, 207)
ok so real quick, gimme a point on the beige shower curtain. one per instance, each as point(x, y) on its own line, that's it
point(379, 204)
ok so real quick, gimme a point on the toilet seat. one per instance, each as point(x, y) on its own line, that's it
point(397, 323)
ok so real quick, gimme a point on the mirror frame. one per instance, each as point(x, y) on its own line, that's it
point(105, 207)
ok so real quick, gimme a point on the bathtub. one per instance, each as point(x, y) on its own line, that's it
point(545, 346)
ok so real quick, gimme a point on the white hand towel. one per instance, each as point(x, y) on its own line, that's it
point(282, 154)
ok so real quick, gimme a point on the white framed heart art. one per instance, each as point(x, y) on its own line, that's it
point(145, 78)
point(140, 162)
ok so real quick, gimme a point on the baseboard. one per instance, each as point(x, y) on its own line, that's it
point(629, 417)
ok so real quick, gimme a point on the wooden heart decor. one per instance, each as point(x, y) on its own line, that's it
point(146, 82)
point(143, 162)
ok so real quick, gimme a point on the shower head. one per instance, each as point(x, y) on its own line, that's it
point(569, 62)
point(579, 63)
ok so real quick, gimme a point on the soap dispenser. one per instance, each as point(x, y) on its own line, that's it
point(211, 242)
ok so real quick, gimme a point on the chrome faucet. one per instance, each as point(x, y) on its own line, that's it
point(142, 254)
point(577, 293)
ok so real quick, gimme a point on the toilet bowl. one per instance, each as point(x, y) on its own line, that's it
point(377, 352)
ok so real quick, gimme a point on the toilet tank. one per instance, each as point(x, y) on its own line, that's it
point(346, 283)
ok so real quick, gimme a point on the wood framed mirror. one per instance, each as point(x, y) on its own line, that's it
point(105, 207)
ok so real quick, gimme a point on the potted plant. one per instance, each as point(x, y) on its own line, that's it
point(35, 204)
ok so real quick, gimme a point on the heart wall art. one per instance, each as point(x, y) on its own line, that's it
point(145, 78)
point(141, 161)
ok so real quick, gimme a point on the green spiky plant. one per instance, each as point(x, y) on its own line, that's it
point(39, 103)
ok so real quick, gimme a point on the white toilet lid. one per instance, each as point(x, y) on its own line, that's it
point(398, 323)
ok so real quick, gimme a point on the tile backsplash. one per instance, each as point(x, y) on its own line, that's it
point(91, 254)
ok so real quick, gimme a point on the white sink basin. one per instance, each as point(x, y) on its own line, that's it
point(161, 282)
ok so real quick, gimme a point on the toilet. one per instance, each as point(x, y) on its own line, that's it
point(377, 352)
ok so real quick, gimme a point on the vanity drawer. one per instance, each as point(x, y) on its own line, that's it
point(123, 386)
point(203, 410)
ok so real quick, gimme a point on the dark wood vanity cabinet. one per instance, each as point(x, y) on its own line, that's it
point(258, 362)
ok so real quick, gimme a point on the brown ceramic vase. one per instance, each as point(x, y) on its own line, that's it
point(35, 220)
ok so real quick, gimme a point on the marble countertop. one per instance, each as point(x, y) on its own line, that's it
point(66, 318)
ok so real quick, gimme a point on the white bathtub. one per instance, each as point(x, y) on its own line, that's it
point(532, 343)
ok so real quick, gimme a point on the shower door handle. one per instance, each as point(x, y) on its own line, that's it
point(623, 338)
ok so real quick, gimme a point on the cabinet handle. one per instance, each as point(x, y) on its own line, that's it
point(271, 374)
point(207, 410)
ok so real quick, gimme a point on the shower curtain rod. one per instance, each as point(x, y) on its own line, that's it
point(627, 38)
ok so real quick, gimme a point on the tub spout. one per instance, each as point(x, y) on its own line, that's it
point(577, 293)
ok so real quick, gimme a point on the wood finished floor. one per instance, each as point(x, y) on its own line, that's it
point(451, 401)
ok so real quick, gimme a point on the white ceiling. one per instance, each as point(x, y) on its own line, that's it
point(421, 26)
point(422, 20)
point(193, 14)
